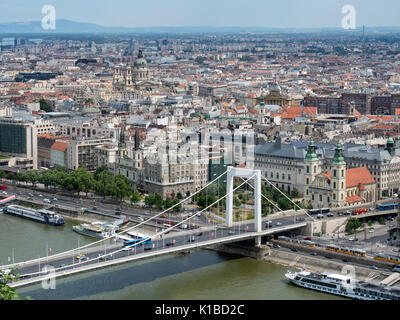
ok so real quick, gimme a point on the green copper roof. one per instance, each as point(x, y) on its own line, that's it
point(390, 146)
point(311, 154)
point(338, 158)
point(262, 99)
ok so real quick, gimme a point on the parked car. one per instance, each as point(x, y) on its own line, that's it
point(276, 246)
point(47, 200)
point(314, 253)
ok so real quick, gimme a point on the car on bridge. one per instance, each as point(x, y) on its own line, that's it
point(268, 224)
point(279, 223)
point(81, 257)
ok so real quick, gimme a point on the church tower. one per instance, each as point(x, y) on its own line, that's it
point(128, 77)
point(338, 177)
point(122, 152)
point(118, 77)
point(312, 169)
point(140, 70)
point(390, 146)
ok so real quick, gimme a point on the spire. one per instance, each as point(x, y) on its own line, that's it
point(311, 154)
point(390, 146)
point(121, 142)
point(262, 98)
point(338, 158)
point(140, 55)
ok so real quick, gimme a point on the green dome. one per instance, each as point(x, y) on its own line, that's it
point(338, 158)
point(390, 146)
point(140, 60)
point(311, 154)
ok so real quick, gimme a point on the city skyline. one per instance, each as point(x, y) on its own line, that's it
point(223, 13)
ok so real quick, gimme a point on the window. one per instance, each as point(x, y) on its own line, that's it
point(308, 169)
point(334, 172)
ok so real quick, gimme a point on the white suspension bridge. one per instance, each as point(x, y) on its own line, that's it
point(164, 242)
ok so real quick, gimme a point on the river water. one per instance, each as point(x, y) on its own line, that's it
point(203, 274)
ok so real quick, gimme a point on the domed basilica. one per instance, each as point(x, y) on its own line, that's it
point(134, 78)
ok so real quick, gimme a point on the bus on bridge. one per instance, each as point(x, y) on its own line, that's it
point(390, 206)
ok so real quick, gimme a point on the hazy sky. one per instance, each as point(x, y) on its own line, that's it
point(255, 13)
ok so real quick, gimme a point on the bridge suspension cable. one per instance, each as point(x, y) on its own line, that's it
point(270, 201)
point(287, 197)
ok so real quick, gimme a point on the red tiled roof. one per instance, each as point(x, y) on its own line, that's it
point(297, 111)
point(383, 118)
point(353, 199)
point(49, 136)
point(355, 176)
point(60, 146)
point(253, 110)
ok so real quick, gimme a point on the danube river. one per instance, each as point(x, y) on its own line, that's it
point(203, 274)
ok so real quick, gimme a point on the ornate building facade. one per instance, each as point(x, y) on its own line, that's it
point(134, 77)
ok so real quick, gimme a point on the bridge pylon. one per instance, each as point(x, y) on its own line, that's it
point(244, 173)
